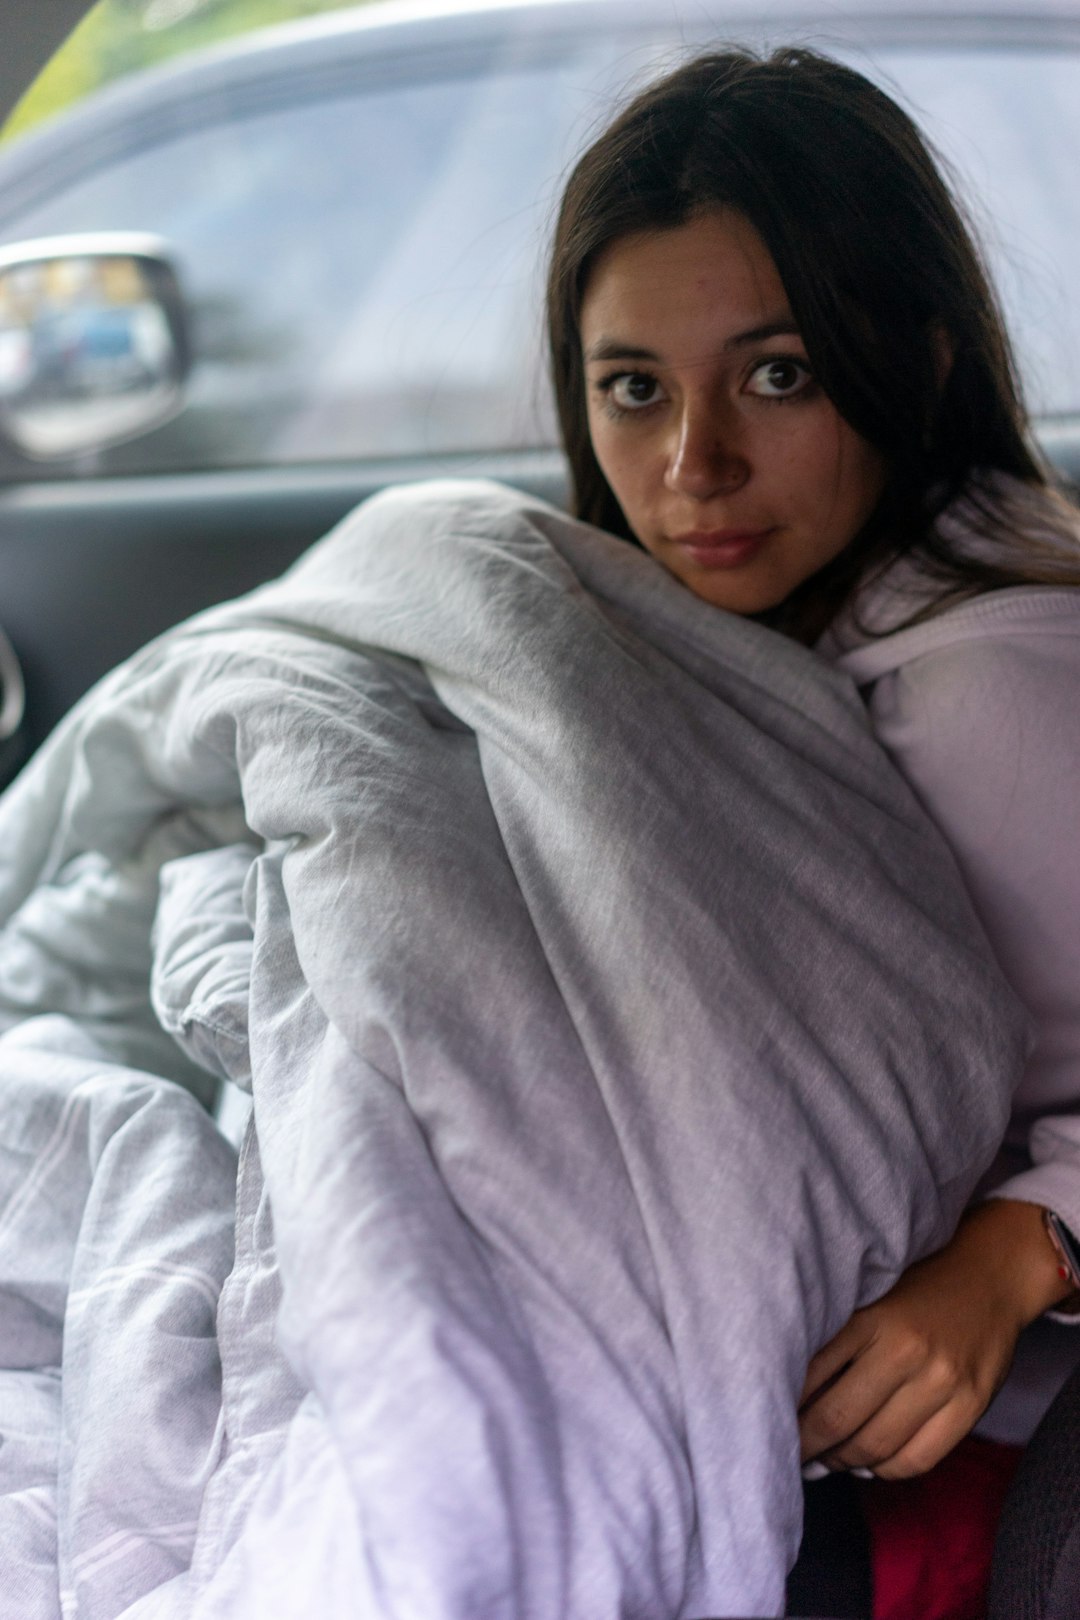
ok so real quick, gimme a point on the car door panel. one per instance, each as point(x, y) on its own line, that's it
point(89, 571)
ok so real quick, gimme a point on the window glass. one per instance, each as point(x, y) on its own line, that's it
point(363, 272)
point(1009, 125)
point(364, 269)
point(118, 37)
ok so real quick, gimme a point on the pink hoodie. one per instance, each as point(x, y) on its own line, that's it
point(980, 708)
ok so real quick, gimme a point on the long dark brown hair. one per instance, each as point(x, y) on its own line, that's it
point(883, 277)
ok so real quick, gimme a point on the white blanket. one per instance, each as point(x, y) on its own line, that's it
point(616, 1024)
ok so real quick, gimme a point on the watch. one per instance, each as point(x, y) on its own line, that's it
point(1068, 1254)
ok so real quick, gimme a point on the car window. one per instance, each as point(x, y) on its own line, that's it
point(1008, 122)
point(363, 264)
point(363, 271)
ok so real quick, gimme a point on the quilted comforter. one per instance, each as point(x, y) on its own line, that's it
point(615, 1023)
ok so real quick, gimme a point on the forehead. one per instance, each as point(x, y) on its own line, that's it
point(672, 290)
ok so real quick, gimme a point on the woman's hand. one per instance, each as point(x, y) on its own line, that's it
point(910, 1375)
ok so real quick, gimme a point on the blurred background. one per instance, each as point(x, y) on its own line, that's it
point(121, 36)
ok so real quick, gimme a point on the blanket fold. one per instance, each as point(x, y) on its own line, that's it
point(615, 1023)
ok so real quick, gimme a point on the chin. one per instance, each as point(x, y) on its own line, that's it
point(747, 602)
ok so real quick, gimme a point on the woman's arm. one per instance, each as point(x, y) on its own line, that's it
point(987, 731)
point(910, 1375)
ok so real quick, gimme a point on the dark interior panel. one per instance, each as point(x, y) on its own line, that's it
point(90, 571)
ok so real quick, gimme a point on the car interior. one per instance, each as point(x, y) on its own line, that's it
point(99, 553)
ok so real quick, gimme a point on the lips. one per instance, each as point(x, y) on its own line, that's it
point(721, 548)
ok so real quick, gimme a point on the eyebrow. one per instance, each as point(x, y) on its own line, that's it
point(614, 349)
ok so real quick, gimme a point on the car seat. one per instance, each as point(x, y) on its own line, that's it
point(1036, 1568)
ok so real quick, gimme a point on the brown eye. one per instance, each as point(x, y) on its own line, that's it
point(779, 378)
point(633, 389)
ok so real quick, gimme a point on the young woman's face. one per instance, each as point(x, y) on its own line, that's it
point(731, 465)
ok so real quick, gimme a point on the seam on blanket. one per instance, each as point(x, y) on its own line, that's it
point(40, 1501)
point(114, 1275)
point(122, 1542)
point(51, 1155)
point(178, 1022)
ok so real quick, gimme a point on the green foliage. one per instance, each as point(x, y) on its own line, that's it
point(120, 36)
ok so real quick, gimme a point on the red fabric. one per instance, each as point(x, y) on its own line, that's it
point(931, 1537)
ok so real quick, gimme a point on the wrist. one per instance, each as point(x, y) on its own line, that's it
point(1008, 1241)
point(1063, 1242)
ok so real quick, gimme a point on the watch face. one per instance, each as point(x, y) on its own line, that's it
point(1066, 1246)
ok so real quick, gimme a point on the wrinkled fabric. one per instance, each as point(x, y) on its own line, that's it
point(977, 706)
point(615, 1023)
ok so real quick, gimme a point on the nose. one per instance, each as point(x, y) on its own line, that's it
point(707, 456)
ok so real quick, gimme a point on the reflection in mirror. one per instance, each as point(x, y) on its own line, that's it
point(93, 342)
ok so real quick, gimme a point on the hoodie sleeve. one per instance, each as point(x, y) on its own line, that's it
point(986, 728)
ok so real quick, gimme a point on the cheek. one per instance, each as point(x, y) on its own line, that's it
point(597, 437)
point(605, 442)
point(622, 463)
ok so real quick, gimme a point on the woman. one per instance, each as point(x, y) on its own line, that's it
point(614, 1019)
point(780, 369)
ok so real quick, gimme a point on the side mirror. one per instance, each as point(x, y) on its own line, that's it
point(94, 344)
point(12, 712)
